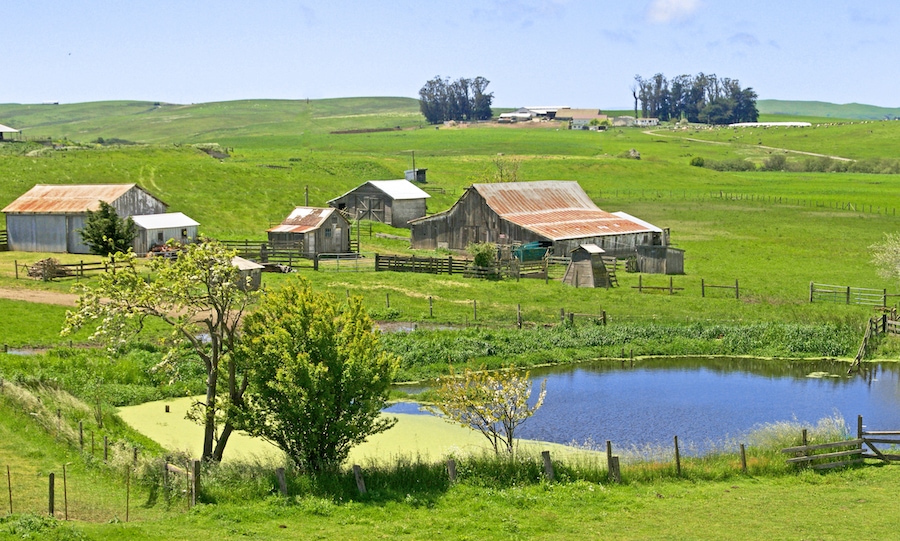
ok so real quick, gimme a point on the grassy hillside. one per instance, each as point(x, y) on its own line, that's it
point(855, 111)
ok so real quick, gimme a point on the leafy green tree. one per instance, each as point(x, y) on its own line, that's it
point(493, 403)
point(318, 377)
point(484, 254)
point(200, 297)
point(106, 233)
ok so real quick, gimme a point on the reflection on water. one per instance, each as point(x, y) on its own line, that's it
point(704, 402)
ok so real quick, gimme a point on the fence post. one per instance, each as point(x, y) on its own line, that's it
point(52, 479)
point(315, 262)
point(548, 466)
point(430, 307)
point(9, 486)
point(360, 482)
point(519, 316)
point(105, 448)
point(702, 288)
point(387, 300)
point(81, 435)
point(451, 469)
point(474, 310)
point(848, 294)
point(603, 314)
point(810, 292)
point(737, 290)
point(743, 459)
point(16, 264)
point(859, 429)
point(195, 486)
point(677, 459)
point(282, 482)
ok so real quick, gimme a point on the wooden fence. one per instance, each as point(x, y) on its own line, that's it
point(264, 253)
point(845, 452)
point(847, 294)
point(430, 265)
point(52, 271)
point(4, 241)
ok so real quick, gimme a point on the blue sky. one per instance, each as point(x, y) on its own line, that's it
point(581, 53)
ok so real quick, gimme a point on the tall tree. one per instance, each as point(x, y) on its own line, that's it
point(464, 99)
point(198, 295)
point(700, 98)
point(318, 378)
point(106, 233)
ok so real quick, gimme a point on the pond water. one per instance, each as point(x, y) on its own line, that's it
point(705, 402)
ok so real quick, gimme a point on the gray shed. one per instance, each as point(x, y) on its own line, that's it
point(660, 260)
point(393, 202)
point(157, 229)
point(7, 129)
point(48, 218)
point(250, 273)
point(315, 230)
point(586, 267)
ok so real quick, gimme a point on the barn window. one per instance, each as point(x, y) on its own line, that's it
point(327, 232)
point(184, 233)
point(159, 236)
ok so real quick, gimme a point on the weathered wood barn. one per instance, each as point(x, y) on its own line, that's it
point(393, 202)
point(518, 212)
point(48, 218)
point(315, 230)
point(157, 229)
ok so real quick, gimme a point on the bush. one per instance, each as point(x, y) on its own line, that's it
point(697, 161)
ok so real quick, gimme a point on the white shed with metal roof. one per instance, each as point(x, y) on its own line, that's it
point(394, 202)
point(158, 229)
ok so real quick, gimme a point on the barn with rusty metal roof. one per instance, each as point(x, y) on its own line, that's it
point(558, 212)
point(49, 218)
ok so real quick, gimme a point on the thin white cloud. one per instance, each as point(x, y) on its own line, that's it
point(743, 38)
point(666, 11)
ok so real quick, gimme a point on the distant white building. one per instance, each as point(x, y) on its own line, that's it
point(646, 122)
point(158, 229)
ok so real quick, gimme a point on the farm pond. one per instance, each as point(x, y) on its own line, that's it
point(709, 403)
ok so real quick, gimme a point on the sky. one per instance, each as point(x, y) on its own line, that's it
point(578, 53)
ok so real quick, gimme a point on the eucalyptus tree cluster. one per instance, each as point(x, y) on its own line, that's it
point(463, 99)
point(696, 98)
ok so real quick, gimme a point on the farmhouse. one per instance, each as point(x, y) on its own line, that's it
point(158, 229)
point(48, 218)
point(580, 119)
point(393, 202)
point(555, 211)
point(314, 230)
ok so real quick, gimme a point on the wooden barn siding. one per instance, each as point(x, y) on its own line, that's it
point(357, 200)
point(136, 202)
point(472, 220)
point(315, 242)
point(404, 210)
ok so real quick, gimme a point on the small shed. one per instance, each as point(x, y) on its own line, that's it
point(314, 230)
point(158, 229)
point(393, 202)
point(660, 260)
point(49, 218)
point(586, 267)
point(250, 273)
point(5, 130)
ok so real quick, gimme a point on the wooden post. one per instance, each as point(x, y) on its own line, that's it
point(603, 315)
point(519, 316)
point(859, 432)
point(282, 481)
point(105, 448)
point(571, 319)
point(702, 287)
point(195, 477)
point(548, 466)
point(316, 262)
point(9, 486)
point(167, 408)
point(671, 290)
point(640, 284)
point(52, 480)
point(474, 310)
point(737, 289)
point(430, 307)
point(92, 443)
point(81, 435)
point(451, 469)
point(811, 292)
point(16, 263)
point(562, 315)
point(743, 459)
point(360, 483)
point(134, 453)
point(677, 459)
point(615, 474)
point(848, 294)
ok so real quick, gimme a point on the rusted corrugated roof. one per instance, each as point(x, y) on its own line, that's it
point(555, 209)
point(66, 199)
point(303, 219)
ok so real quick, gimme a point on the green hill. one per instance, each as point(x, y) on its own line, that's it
point(850, 111)
point(155, 122)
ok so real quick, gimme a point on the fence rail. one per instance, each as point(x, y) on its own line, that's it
point(847, 294)
point(264, 252)
point(342, 262)
point(47, 270)
point(430, 265)
point(4, 241)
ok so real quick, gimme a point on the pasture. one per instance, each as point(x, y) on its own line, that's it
point(774, 232)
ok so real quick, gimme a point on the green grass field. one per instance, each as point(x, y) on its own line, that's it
point(774, 232)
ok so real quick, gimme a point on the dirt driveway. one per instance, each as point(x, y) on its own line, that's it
point(43, 297)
